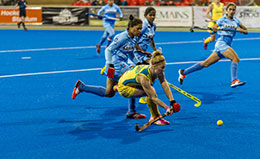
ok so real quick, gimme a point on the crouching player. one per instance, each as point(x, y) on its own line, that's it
point(138, 81)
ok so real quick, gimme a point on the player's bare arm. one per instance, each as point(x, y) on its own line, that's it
point(165, 86)
point(208, 12)
point(242, 29)
point(152, 43)
point(150, 91)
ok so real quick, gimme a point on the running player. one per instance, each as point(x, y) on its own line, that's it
point(216, 8)
point(138, 81)
point(223, 46)
point(110, 10)
point(21, 4)
point(117, 55)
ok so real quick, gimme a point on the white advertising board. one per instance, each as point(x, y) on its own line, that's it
point(171, 16)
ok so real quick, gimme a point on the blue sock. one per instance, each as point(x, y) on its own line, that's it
point(101, 41)
point(103, 38)
point(193, 68)
point(234, 67)
point(131, 105)
point(98, 90)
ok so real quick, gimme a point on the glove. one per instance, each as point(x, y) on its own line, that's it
point(100, 17)
point(121, 18)
point(110, 71)
point(176, 106)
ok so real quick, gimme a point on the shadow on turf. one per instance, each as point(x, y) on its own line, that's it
point(211, 98)
point(122, 130)
point(113, 125)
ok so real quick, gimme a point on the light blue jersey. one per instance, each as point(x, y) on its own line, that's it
point(119, 51)
point(110, 12)
point(147, 34)
point(225, 23)
point(226, 37)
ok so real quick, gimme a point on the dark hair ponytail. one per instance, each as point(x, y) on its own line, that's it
point(133, 21)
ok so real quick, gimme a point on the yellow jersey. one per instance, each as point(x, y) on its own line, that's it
point(129, 77)
point(217, 10)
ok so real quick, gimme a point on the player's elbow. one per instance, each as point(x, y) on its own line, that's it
point(154, 98)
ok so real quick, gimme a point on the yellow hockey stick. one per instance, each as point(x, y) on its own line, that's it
point(186, 94)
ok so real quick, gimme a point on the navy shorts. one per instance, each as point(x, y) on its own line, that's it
point(22, 13)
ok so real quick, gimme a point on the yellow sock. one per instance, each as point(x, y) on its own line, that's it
point(207, 40)
point(153, 108)
point(143, 100)
point(102, 70)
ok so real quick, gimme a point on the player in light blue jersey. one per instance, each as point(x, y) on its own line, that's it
point(109, 10)
point(147, 36)
point(146, 39)
point(223, 49)
point(117, 55)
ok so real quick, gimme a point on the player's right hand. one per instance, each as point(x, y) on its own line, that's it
point(110, 71)
point(169, 111)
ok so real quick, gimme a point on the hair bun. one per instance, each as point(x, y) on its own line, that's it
point(157, 53)
point(131, 17)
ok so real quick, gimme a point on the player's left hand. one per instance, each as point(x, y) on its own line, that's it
point(176, 106)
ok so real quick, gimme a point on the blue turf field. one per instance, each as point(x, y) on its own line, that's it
point(40, 120)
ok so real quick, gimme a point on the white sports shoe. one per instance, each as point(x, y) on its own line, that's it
point(181, 76)
point(236, 83)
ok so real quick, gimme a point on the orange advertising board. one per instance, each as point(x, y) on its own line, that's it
point(9, 15)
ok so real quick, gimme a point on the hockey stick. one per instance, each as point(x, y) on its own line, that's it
point(101, 17)
point(200, 28)
point(139, 129)
point(186, 94)
point(208, 20)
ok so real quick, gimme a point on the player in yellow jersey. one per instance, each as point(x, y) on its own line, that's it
point(216, 8)
point(138, 81)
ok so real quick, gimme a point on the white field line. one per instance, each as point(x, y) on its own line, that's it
point(91, 47)
point(95, 69)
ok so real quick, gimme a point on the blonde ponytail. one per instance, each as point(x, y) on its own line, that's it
point(157, 58)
